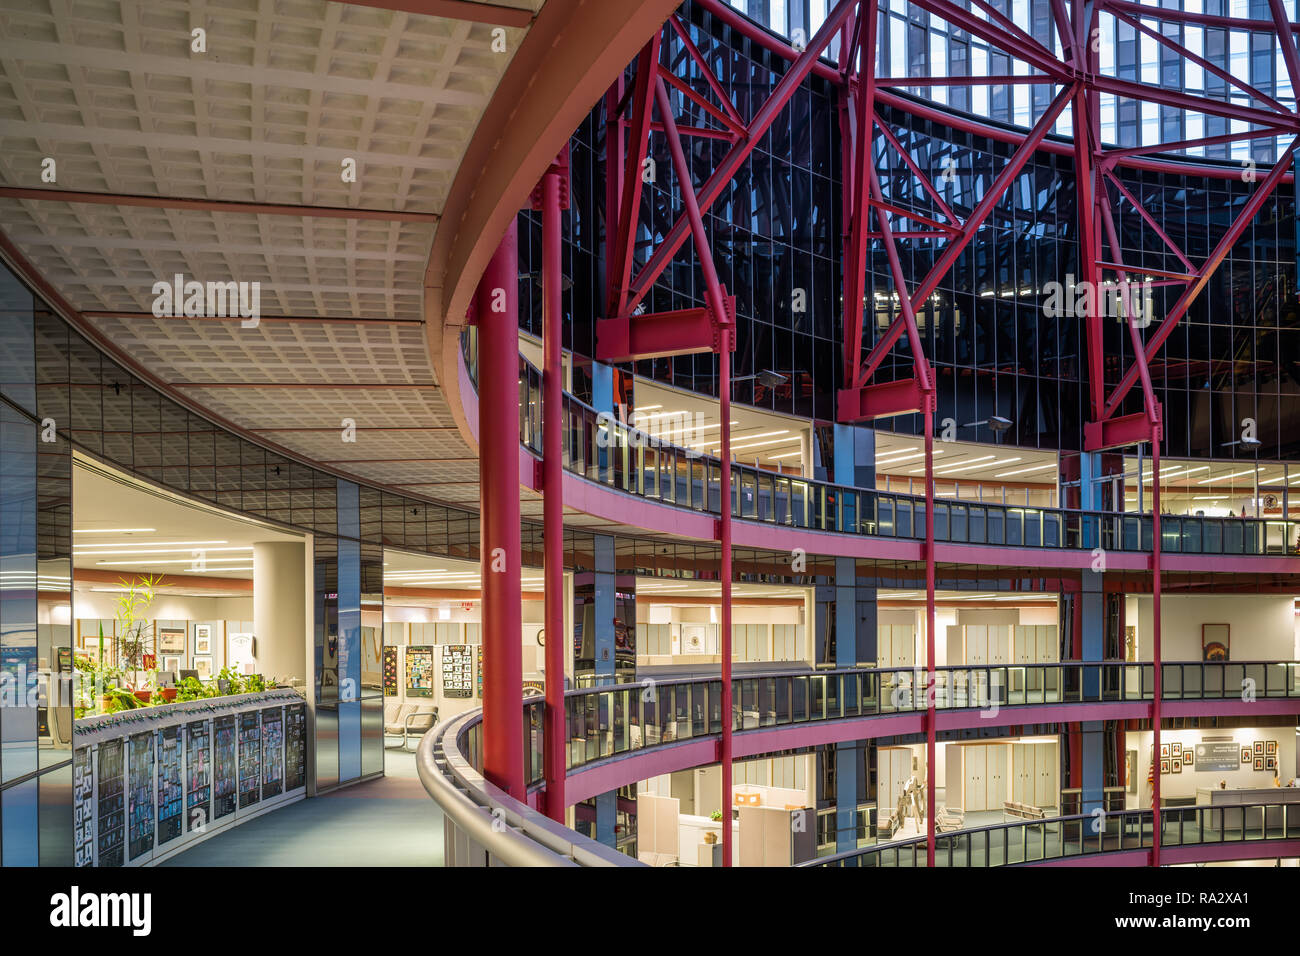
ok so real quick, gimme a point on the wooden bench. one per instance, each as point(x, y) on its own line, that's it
point(1022, 811)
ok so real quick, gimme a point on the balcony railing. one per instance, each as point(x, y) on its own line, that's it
point(1038, 841)
point(614, 719)
point(602, 449)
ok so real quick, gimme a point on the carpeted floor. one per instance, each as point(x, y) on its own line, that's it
point(385, 822)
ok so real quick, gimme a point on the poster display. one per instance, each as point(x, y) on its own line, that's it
point(419, 671)
point(457, 670)
point(390, 670)
point(224, 770)
point(250, 759)
point(83, 807)
point(478, 669)
point(140, 771)
point(171, 791)
point(111, 812)
point(295, 746)
point(198, 764)
point(272, 752)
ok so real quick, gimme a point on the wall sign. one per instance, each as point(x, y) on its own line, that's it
point(1223, 755)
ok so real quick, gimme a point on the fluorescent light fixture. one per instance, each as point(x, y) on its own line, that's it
point(133, 545)
point(110, 530)
point(191, 561)
point(1235, 474)
point(1025, 471)
point(715, 443)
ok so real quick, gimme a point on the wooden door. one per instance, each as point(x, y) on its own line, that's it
point(975, 774)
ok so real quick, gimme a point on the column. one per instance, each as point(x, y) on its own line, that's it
point(498, 341)
point(279, 609)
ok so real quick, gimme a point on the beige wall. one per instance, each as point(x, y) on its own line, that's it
point(1263, 625)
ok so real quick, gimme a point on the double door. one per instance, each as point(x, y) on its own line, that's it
point(977, 776)
point(1034, 774)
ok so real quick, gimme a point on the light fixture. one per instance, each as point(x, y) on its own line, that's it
point(767, 378)
point(1250, 444)
point(111, 530)
point(444, 612)
point(996, 422)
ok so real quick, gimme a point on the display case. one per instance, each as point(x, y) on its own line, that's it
point(149, 783)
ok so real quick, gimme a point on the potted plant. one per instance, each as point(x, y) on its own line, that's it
point(134, 637)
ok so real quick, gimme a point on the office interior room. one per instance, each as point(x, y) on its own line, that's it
point(984, 628)
point(214, 592)
point(967, 470)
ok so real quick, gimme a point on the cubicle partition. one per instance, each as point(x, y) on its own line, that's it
point(149, 783)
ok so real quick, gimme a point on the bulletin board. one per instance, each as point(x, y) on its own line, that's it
point(419, 671)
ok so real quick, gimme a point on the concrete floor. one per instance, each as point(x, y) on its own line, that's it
point(385, 822)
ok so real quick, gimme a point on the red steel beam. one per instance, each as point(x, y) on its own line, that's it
point(910, 163)
point(1017, 44)
point(1203, 63)
point(1201, 19)
point(903, 396)
point(1243, 219)
point(736, 156)
point(971, 226)
point(1112, 155)
point(555, 750)
point(1287, 41)
point(213, 205)
point(858, 121)
point(705, 70)
point(658, 334)
point(1149, 219)
point(629, 205)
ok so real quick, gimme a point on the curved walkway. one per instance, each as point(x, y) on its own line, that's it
point(386, 822)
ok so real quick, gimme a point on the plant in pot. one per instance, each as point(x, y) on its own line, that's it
point(134, 634)
point(709, 836)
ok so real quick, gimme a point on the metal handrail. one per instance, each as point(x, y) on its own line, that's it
point(600, 448)
point(1093, 834)
point(483, 818)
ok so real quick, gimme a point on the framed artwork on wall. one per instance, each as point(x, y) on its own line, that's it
point(203, 665)
point(1215, 642)
point(1176, 750)
point(1270, 747)
point(1164, 765)
point(1164, 751)
point(1187, 757)
point(202, 638)
point(1175, 766)
point(1259, 763)
point(1259, 748)
point(171, 663)
point(1270, 763)
point(171, 640)
point(1245, 755)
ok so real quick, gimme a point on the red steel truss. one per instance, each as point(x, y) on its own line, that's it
point(636, 257)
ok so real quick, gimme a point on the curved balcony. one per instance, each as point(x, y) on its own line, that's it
point(619, 734)
point(1187, 834)
point(601, 449)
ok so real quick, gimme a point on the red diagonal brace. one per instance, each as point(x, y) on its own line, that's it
point(661, 334)
point(1244, 219)
point(731, 163)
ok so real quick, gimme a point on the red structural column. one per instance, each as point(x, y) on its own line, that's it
point(553, 494)
point(929, 631)
point(1155, 642)
point(498, 407)
point(724, 538)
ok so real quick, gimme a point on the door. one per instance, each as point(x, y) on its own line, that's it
point(996, 763)
point(975, 797)
point(1045, 777)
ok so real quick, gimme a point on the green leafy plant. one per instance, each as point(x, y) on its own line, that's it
point(715, 815)
point(134, 636)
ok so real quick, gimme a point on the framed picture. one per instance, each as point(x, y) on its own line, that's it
point(202, 638)
point(1164, 751)
point(1187, 757)
point(171, 640)
point(1176, 750)
point(1270, 763)
point(1270, 747)
point(1176, 766)
point(203, 665)
point(1215, 641)
point(1259, 748)
point(1164, 765)
point(1245, 755)
point(1259, 763)
point(171, 663)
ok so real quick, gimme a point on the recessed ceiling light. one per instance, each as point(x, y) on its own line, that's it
point(111, 530)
